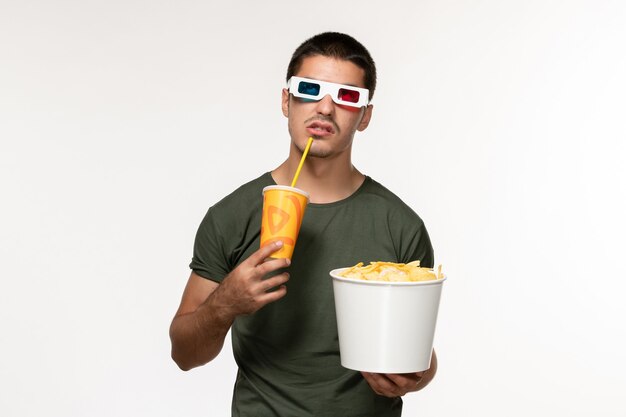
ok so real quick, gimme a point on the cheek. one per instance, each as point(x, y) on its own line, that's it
point(349, 108)
point(349, 119)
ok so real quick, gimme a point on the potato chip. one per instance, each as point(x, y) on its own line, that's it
point(392, 272)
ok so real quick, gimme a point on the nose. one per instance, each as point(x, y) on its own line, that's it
point(326, 106)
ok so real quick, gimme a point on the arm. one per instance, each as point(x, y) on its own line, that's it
point(396, 385)
point(208, 309)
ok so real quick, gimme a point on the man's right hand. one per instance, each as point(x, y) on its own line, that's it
point(245, 290)
point(208, 309)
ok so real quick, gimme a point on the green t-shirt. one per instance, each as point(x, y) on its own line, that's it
point(288, 351)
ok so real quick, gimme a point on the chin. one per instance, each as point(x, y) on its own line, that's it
point(319, 153)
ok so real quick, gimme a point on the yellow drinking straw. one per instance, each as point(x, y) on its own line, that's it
point(306, 151)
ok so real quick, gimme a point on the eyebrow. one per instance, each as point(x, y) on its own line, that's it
point(332, 82)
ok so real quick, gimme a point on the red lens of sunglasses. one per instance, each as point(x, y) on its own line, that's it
point(350, 96)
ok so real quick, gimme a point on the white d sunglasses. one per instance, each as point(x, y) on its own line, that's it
point(316, 90)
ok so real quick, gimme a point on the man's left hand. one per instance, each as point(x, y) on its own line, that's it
point(397, 385)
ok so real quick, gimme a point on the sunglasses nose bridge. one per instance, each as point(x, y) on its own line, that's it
point(325, 105)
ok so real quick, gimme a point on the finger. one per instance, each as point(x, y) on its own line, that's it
point(271, 296)
point(371, 381)
point(264, 252)
point(275, 281)
point(402, 378)
point(406, 382)
point(272, 265)
point(382, 385)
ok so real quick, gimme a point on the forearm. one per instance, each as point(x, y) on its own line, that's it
point(198, 337)
point(208, 309)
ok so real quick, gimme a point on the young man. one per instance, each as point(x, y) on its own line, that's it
point(284, 333)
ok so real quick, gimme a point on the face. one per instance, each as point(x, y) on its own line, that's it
point(331, 125)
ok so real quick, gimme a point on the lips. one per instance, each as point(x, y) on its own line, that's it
point(320, 128)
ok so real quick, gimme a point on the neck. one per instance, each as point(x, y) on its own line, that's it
point(326, 179)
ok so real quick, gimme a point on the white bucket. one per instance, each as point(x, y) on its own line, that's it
point(386, 327)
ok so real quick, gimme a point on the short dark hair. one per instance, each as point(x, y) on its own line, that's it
point(336, 45)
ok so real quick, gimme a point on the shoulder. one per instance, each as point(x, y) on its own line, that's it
point(380, 197)
point(406, 231)
point(246, 196)
point(373, 188)
point(238, 207)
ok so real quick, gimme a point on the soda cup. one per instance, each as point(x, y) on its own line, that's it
point(283, 211)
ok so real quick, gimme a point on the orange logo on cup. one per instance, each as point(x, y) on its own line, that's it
point(283, 211)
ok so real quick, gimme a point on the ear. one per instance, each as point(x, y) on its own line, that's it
point(365, 120)
point(285, 102)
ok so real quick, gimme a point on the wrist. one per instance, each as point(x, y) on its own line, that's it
point(216, 311)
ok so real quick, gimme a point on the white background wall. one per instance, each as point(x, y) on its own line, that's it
point(500, 122)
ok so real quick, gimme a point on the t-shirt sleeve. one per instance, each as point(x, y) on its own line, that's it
point(413, 242)
point(209, 259)
point(419, 246)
